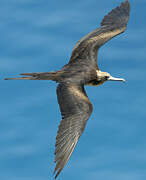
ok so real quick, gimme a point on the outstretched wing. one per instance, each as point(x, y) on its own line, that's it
point(113, 24)
point(75, 109)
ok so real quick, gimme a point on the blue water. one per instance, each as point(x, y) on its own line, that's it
point(38, 36)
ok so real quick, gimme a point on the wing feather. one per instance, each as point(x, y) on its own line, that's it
point(113, 23)
point(75, 109)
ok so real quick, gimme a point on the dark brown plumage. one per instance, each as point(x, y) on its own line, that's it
point(75, 109)
point(82, 69)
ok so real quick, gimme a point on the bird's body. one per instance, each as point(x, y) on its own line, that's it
point(81, 70)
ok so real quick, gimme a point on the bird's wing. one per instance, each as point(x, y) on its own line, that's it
point(113, 24)
point(75, 108)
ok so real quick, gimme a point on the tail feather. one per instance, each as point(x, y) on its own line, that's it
point(30, 74)
point(21, 78)
point(36, 76)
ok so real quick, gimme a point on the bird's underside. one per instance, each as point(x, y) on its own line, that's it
point(82, 69)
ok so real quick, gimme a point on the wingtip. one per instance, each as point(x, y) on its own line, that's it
point(126, 4)
point(117, 16)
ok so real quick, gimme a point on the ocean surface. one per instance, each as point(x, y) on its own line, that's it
point(38, 36)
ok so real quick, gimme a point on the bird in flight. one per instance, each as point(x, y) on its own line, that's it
point(81, 70)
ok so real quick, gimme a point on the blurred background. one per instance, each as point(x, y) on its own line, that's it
point(38, 36)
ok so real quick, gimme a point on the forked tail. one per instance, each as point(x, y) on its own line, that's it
point(36, 76)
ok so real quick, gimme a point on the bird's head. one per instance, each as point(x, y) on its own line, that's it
point(104, 76)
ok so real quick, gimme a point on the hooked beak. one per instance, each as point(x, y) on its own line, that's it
point(116, 79)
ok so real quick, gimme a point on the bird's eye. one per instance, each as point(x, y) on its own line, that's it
point(106, 77)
